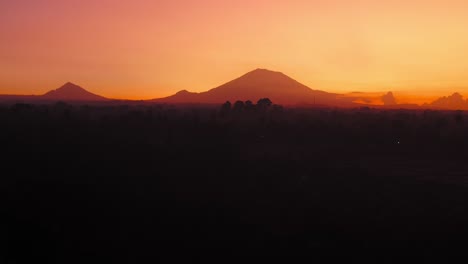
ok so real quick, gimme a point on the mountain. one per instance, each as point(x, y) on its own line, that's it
point(71, 92)
point(257, 84)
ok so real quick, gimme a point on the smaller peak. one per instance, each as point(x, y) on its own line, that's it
point(183, 92)
point(71, 91)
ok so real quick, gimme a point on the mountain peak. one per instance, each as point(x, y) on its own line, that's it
point(183, 92)
point(256, 84)
point(69, 85)
point(264, 72)
point(72, 92)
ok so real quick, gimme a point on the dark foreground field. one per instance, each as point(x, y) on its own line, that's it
point(119, 184)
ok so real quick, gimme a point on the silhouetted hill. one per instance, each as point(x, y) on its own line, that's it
point(72, 92)
point(257, 84)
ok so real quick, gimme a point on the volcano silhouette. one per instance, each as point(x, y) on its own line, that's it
point(257, 84)
point(72, 92)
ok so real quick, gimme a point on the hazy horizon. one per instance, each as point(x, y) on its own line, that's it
point(368, 98)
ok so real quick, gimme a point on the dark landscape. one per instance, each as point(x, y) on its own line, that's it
point(91, 179)
point(121, 183)
point(202, 131)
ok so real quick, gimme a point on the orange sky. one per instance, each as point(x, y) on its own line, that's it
point(147, 49)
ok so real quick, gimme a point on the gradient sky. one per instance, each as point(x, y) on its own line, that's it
point(147, 49)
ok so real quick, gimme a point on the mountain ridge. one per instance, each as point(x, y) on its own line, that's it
point(72, 92)
point(256, 84)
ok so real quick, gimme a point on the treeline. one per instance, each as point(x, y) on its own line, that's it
point(121, 183)
point(365, 130)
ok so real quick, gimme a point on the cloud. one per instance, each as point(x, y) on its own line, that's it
point(454, 101)
point(389, 99)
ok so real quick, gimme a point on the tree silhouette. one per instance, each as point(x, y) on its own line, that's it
point(264, 103)
point(248, 105)
point(238, 106)
point(277, 108)
point(225, 108)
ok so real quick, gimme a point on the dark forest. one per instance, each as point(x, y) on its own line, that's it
point(121, 183)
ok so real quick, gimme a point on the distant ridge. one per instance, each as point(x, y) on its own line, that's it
point(72, 92)
point(254, 85)
point(257, 84)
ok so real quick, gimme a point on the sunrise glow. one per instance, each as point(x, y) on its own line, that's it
point(149, 49)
